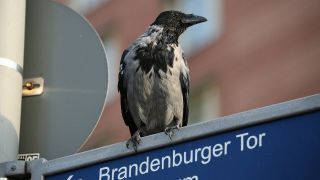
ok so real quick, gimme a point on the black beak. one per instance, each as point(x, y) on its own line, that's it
point(191, 19)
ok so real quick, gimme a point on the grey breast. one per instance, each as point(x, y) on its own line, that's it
point(155, 101)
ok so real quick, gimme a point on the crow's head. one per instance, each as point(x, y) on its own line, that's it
point(177, 22)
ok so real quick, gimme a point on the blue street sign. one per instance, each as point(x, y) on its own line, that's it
point(288, 148)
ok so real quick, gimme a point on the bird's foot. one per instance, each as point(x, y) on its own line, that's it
point(170, 130)
point(134, 140)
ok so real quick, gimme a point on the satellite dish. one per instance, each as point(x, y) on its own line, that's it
point(64, 51)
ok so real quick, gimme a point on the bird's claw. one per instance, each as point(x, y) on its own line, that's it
point(170, 131)
point(135, 141)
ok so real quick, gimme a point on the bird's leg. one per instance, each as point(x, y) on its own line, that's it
point(170, 129)
point(134, 140)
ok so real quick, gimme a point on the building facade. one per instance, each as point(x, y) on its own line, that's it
point(251, 54)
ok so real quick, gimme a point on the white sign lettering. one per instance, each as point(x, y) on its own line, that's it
point(202, 155)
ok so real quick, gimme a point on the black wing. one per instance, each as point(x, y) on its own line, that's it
point(122, 88)
point(184, 81)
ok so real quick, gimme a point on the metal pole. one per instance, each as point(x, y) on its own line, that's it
point(12, 28)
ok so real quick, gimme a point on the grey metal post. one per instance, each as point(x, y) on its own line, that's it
point(12, 27)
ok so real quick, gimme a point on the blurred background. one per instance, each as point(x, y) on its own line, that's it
point(249, 53)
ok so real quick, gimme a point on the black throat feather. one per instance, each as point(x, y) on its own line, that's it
point(158, 56)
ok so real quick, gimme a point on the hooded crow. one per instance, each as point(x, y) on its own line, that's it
point(154, 78)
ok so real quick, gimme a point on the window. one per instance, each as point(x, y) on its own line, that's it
point(204, 103)
point(112, 46)
point(84, 6)
point(198, 37)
